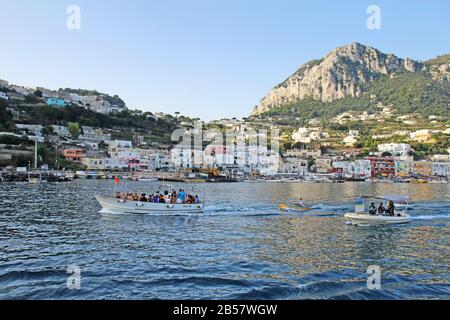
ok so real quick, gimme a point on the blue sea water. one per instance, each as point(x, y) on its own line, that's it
point(241, 247)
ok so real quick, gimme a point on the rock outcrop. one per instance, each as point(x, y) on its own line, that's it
point(344, 72)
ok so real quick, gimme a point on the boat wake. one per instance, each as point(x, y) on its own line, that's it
point(431, 217)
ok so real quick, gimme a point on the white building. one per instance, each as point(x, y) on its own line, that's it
point(294, 166)
point(119, 145)
point(91, 134)
point(361, 168)
point(307, 135)
point(396, 149)
point(421, 135)
point(3, 96)
point(61, 131)
point(441, 169)
point(351, 138)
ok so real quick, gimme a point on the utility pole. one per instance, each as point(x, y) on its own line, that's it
point(35, 149)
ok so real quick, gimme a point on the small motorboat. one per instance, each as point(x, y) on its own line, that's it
point(357, 218)
point(362, 217)
point(137, 207)
point(293, 207)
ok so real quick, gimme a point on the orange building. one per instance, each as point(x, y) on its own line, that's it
point(73, 154)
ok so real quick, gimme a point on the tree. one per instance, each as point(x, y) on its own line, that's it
point(74, 129)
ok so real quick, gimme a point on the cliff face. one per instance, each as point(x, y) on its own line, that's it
point(340, 74)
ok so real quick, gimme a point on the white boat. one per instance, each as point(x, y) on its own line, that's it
point(81, 174)
point(92, 175)
point(137, 207)
point(69, 175)
point(148, 179)
point(358, 218)
point(361, 216)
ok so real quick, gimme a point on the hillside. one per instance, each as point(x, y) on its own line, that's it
point(360, 78)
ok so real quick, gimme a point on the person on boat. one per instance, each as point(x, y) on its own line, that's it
point(143, 198)
point(372, 209)
point(381, 208)
point(179, 201)
point(182, 195)
point(197, 199)
point(391, 208)
point(167, 198)
point(155, 198)
point(162, 199)
point(118, 195)
point(301, 203)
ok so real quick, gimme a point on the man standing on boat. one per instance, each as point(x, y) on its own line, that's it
point(182, 195)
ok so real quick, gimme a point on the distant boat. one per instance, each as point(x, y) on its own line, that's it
point(69, 175)
point(36, 180)
point(148, 179)
point(81, 174)
point(92, 175)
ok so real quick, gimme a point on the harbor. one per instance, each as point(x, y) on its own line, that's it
point(241, 234)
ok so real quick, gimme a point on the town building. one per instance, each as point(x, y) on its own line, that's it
point(382, 166)
point(56, 102)
point(75, 155)
point(3, 96)
point(395, 149)
point(294, 166)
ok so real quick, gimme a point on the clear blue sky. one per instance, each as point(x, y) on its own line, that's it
point(209, 59)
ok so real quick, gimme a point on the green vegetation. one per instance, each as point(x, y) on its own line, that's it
point(6, 117)
point(74, 129)
point(114, 100)
point(126, 121)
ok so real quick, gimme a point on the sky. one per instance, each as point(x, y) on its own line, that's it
point(208, 59)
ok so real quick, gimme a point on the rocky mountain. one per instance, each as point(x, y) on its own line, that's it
point(350, 72)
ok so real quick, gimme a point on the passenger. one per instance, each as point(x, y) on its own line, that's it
point(182, 195)
point(197, 199)
point(135, 197)
point(381, 208)
point(143, 198)
point(301, 203)
point(162, 199)
point(372, 209)
point(156, 198)
point(118, 195)
point(167, 198)
point(130, 197)
point(391, 208)
point(179, 201)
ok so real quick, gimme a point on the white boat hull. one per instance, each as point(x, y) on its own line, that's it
point(364, 218)
point(137, 207)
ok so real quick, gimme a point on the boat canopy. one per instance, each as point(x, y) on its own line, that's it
point(396, 198)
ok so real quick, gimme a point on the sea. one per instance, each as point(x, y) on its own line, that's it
point(56, 244)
